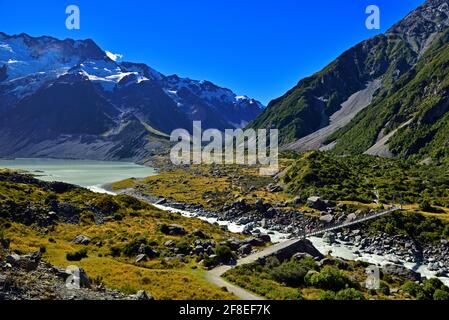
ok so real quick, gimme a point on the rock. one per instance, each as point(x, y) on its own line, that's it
point(300, 246)
point(170, 243)
point(301, 255)
point(141, 258)
point(329, 238)
point(259, 204)
point(270, 213)
point(245, 249)
point(176, 230)
point(198, 250)
point(351, 217)
point(264, 237)
point(77, 278)
point(274, 188)
point(395, 270)
point(296, 201)
point(255, 242)
point(199, 234)
point(433, 266)
point(83, 240)
point(316, 203)
point(142, 295)
point(161, 201)
point(13, 259)
point(142, 248)
point(28, 262)
point(328, 218)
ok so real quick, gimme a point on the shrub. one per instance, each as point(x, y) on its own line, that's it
point(349, 294)
point(290, 273)
point(209, 262)
point(164, 228)
point(411, 288)
point(225, 254)
point(118, 216)
point(87, 217)
point(272, 262)
point(42, 249)
point(183, 247)
point(440, 295)
point(431, 285)
point(115, 252)
point(131, 202)
point(77, 255)
point(384, 288)
point(327, 295)
point(133, 248)
point(106, 205)
point(330, 278)
point(425, 206)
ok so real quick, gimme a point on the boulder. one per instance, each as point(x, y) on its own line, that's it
point(199, 234)
point(142, 295)
point(328, 218)
point(161, 202)
point(175, 230)
point(264, 237)
point(255, 242)
point(28, 262)
point(245, 249)
point(274, 188)
point(316, 203)
point(83, 240)
point(299, 246)
point(329, 237)
point(141, 258)
point(198, 250)
point(270, 213)
point(301, 255)
point(401, 271)
point(170, 243)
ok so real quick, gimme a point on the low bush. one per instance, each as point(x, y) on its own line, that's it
point(225, 254)
point(349, 294)
point(77, 255)
point(289, 273)
point(330, 278)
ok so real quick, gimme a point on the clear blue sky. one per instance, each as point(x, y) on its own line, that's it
point(260, 48)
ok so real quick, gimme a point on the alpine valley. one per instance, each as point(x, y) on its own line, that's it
point(358, 211)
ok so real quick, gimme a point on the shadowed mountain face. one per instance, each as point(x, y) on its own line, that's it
point(346, 106)
point(69, 99)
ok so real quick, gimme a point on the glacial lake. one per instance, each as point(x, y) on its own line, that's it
point(84, 173)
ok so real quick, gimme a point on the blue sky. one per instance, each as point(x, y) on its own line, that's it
point(260, 48)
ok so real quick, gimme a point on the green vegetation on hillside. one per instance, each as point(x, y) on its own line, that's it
point(420, 96)
point(358, 178)
point(117, 227)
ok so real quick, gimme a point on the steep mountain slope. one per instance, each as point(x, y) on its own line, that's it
point(69, 99)
point(310, 105)
point(410, 118)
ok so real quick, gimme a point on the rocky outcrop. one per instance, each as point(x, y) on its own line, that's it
point(401, 271)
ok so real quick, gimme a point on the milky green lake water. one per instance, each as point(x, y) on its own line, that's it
point(84, 173)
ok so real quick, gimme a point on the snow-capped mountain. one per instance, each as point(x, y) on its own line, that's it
point(68, 98)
